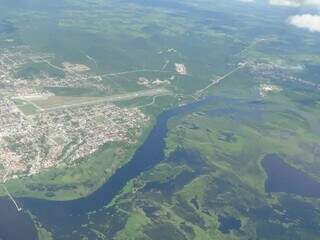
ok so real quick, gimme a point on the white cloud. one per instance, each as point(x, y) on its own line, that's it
point(247, 1)
point(306, 21)
point(295, 3)
point(289, 3)
point(313, 2)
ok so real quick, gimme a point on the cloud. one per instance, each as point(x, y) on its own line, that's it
point(295, 3)
point(247, 1)
point(288, 3)
point(306, 21)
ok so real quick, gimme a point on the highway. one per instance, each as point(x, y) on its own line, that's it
point(214, 82)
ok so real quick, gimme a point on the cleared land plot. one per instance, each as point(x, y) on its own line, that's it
point(26, 107)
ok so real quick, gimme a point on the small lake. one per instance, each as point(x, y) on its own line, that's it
point(284, 178)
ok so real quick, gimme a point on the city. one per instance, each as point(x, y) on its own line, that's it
point(33, 138)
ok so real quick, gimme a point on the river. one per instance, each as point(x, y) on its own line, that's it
point(55, 214)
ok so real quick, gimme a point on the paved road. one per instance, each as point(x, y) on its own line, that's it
point(214, 82)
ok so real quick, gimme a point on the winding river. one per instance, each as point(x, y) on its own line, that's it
point(54, 214)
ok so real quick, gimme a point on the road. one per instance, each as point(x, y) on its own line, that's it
point(214, 82)
point(136, 71)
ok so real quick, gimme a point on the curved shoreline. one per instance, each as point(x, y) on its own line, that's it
point(53, 213)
